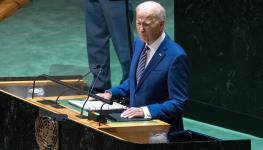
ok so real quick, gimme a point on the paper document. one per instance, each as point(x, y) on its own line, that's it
point(96, 105)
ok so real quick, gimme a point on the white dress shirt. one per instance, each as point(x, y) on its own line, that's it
point(153, 48)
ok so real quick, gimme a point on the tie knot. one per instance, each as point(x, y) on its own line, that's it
point(146, 48)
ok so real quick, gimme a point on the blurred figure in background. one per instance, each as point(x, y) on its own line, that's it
point(105, 20)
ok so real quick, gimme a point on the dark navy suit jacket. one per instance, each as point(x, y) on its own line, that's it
point(163, 87)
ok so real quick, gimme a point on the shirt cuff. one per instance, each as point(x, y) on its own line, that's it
point(146, 112)
point(108, 91)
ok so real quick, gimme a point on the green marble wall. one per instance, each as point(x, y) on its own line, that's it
point(224, 40)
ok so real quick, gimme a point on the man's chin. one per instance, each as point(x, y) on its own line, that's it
point(144, 40)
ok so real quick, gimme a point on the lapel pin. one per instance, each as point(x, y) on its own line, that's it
point(160, 54)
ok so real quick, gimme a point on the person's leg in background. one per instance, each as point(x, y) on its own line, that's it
point(97, 44)
point(105, 19)
point(118, 29)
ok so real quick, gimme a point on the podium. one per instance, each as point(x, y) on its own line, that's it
point(39, 123)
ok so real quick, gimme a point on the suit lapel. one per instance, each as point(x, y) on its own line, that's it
point(134, 64)
point(157, 57)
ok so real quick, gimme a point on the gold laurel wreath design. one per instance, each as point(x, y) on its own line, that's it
point(46, 133)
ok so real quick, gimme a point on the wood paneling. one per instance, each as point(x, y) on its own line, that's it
point(9, 7)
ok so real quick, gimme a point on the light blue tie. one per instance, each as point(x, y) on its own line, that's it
point(141, 64)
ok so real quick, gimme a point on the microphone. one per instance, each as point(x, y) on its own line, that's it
point(34, 83)
point(95, 81)
point(76, 89)
point(64, 91)
point(91, 89)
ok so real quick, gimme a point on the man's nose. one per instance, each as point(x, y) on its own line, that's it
point(141, 28)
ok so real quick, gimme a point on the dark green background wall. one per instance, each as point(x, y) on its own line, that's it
point(224, 40)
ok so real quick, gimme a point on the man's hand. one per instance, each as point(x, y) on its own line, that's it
point(105, 95)
point(133, 112)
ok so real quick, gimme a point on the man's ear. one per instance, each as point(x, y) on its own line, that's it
point(162, 23)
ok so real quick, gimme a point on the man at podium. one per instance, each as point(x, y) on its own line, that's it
point(157, 85)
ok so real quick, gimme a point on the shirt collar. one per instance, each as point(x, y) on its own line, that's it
point(154, 46)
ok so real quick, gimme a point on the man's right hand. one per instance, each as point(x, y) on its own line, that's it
point(105, 95)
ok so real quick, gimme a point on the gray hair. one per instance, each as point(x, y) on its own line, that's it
point(159, 10)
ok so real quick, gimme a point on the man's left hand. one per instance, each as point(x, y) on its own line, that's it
point(133, 112)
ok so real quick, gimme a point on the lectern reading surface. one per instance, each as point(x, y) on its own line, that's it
point(17, 107)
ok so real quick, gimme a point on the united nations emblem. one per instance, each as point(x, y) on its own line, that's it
point(46, 132)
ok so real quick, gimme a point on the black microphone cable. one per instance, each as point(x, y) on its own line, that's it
point(91, 90)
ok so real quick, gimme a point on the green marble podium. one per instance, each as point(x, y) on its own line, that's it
point(18, 128)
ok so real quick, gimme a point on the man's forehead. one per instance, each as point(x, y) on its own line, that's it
point(148, 17)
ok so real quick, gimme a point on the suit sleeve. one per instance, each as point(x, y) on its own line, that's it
point(123, 90)
point(178, 75)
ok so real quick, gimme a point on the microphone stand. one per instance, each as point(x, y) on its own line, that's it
point(33, 91)
point(92, 114)
point(64, 91)
point(77, 89)
point(101, 116)
point(91, 90)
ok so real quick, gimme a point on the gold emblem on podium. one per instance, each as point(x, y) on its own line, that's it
point(46, 132)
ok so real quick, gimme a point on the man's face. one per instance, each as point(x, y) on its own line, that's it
point(148, 26)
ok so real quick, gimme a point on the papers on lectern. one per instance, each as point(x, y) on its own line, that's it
point(96, 105)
